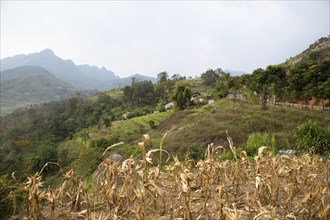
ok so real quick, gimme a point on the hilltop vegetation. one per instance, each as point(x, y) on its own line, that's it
point(316, 53)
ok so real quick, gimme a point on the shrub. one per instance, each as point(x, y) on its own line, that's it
point(128, 151)
point(69, 151)
point(101, 143)
point(6, 205)
point(196, 152)
point(256, 140)
point(152, 124)
point(312, 137)
point(161, 106)
point(87, 162)
point(227, 156)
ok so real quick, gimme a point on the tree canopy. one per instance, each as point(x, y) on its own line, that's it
point(182, 96)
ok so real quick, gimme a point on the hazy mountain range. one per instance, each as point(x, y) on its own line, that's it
point(43, 77)
point(82, 77)
point(235, 72)
point(26, 85)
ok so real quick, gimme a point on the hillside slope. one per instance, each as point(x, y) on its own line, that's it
point(208, 124)
point(27, 85)
point(316, 53)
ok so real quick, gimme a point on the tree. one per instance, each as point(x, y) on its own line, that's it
point(177, 77)
point(277, 80)
point(223, 83)
point(319, 77)
point(309, 81)
point(164, 89)
point(210, 77)
point(162, 77)
point(140, 93)
point(182, 96)
point(271, 81)
point(297, 83)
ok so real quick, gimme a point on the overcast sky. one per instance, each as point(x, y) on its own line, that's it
point(147, 37)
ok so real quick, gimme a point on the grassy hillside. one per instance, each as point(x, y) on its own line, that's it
point(208, 124)
point(316, 53)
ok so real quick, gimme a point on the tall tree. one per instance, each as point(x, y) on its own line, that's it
point(269, 82)
point(223, 83)
point(162, 77)
point(210, 77)
point(182, 96)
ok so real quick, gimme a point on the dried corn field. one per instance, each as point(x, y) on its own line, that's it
point(265, 187)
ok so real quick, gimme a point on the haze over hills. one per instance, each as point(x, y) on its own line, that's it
point(43, 77)
point(27, 85)
point(235, 72)
point(82, 77)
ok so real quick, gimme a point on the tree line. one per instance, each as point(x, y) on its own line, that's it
point(303, 82)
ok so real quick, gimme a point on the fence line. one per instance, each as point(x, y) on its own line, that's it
point(294, 105)
point(285, 104)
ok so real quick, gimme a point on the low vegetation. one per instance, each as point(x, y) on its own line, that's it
point(264, 187)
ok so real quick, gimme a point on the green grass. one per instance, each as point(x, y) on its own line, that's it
point(208, 124)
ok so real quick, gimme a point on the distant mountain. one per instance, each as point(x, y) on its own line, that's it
point(235, 72)
point(128, 81)
point(316, 53)
point(27, 85)
point(79, 76)
point(63, 69)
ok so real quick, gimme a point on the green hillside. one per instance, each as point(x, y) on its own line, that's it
point(208, 124)
point(316, 53)
point(28, 85)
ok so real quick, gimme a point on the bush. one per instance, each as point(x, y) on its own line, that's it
point(128, 151)
point(87, 162)
point(100, 143)
point(311, 137)
point(227, 156)
point(196, 152)
point(257, 140)
point(6, 205)
point(152, 124)
point(68, 151)
point(161, 106)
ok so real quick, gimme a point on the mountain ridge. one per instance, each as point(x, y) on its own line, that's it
point(315, 53)
point(26, 85)
point(83, 77)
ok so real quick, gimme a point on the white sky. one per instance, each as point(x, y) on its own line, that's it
point(147, 37)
